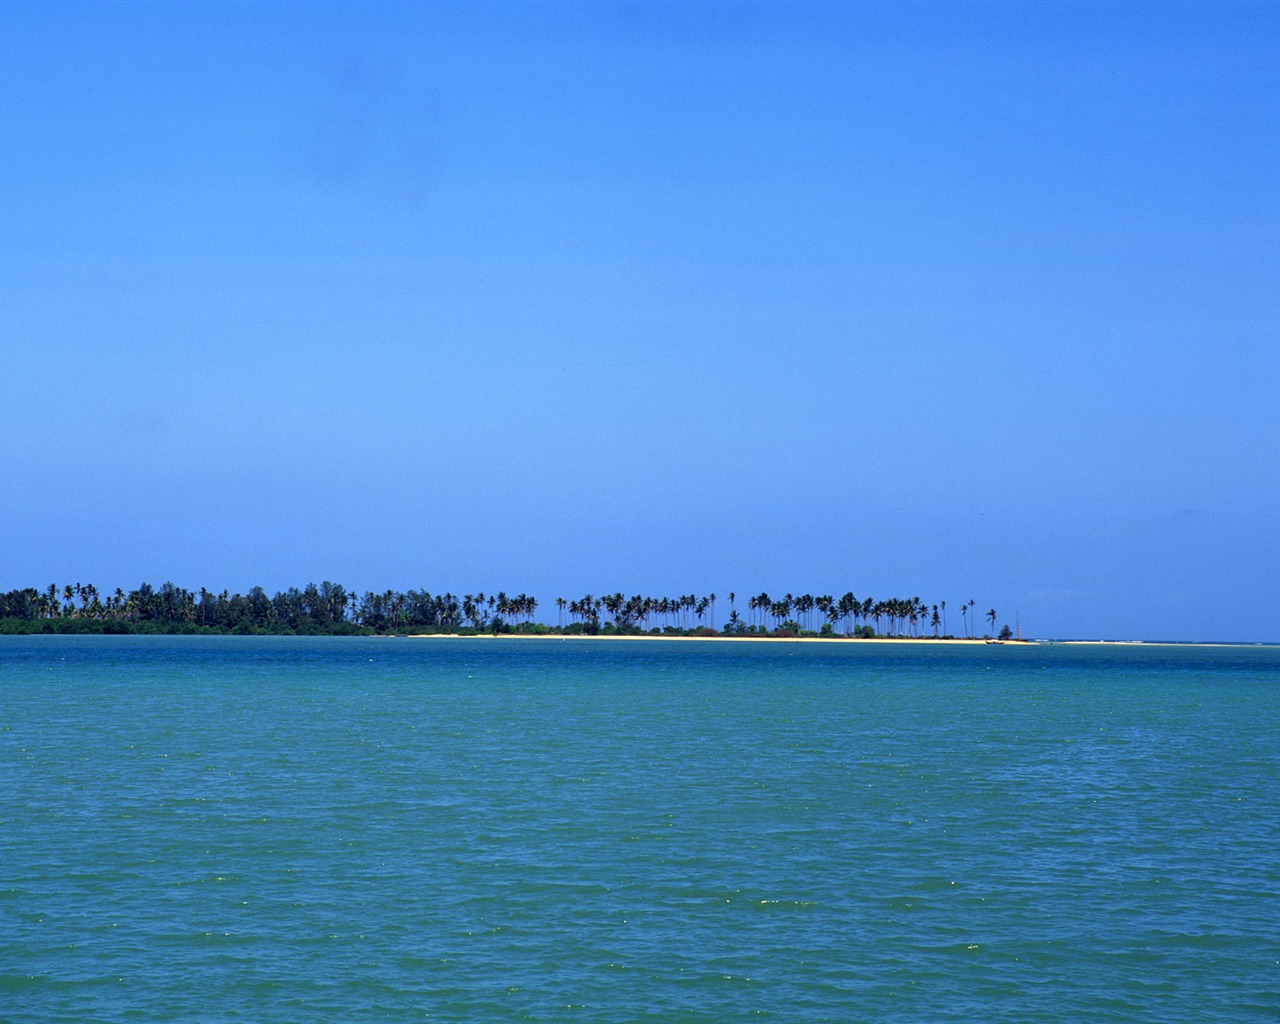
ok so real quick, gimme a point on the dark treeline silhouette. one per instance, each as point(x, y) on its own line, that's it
point(331, 609)
point(324, 609)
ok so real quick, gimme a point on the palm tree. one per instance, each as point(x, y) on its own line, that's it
point(824, 603)
point(847, 608)
point(612, 603)
point(804, 608)
point(991, 615)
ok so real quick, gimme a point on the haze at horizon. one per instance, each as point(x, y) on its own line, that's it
point(955, 301)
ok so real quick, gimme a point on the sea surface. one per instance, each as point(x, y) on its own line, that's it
point(346, 830)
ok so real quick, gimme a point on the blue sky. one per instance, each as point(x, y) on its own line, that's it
point(956, 301)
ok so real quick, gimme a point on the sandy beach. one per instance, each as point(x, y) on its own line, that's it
point(923, 641)
point(907, 641)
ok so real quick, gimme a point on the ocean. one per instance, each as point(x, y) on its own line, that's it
point(217, 829)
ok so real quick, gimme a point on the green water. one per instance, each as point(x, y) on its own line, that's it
point(349, 830)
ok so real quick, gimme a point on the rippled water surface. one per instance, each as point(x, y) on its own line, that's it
point(349, 830)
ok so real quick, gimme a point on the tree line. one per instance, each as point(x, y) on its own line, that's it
point(332, 609)
point(822, 614)
point(325, 608)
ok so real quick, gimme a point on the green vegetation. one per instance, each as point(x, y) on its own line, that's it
point(324, 610)
point(329, 609)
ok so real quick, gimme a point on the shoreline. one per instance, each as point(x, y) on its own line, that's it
point(918, 641)
point(717, 639)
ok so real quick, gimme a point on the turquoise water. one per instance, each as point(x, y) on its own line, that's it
point(349, 830)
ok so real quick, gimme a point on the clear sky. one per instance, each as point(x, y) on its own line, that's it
point(951, 301)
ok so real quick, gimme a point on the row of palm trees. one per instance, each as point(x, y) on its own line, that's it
point(330, 607)
point(327, 607)
point(416, 608)
point(799, 613)
point(644, 613)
